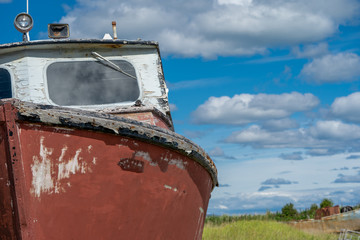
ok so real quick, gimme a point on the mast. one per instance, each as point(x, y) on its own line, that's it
point(27, 11)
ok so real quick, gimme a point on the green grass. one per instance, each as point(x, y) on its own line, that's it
point(257, 229)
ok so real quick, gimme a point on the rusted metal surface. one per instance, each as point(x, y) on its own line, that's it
point(143, 114)
point(116, 125)
point(116, 43)
point(85, 175)
point(334, 223)
point(328, 211)
point(7, 217)
point(146, 117)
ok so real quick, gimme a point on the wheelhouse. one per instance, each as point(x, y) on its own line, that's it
point(111, 76)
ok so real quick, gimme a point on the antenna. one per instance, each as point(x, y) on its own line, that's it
point(27, 11)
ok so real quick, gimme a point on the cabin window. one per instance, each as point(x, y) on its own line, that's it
point(92, 82)
point(5, 84)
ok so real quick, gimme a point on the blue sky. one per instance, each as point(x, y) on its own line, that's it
point(269, 88)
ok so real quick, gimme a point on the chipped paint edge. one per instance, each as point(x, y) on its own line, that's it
point(107, 123)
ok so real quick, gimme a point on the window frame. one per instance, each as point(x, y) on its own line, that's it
point(92, 106)
point(11, 80)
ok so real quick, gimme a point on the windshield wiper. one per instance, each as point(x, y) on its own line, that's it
point(110, 64)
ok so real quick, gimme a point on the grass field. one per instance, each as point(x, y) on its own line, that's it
point(257, 229)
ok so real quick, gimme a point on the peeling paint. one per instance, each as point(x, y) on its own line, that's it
point(48, 171)
point(41, 171)
point(178, 163)
point(71, 167)
point(170, 188)
point(200, 224)
point(120, 126)
point(172, 161)
point(201, 210)
point(145, 156)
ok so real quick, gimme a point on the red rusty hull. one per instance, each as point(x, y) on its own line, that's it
point(61, 182)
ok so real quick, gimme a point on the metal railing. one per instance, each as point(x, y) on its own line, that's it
point(349, 235)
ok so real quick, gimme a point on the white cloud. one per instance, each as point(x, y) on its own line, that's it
point(217, 152)
point(276, 181)
point(211, 28)
point(348, 178)
point(342, 67)
point(280, 124)
point(351, 157)
point(335, 130)
point(297, 156)
point(173, 107)
point(193, 84)
point(223, 207)
point(257, 137)
point(311, 51)
point(246, 108)
point(348, 107)
point(322, 138)
point(194, 134)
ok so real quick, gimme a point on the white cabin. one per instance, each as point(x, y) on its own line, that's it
point(110, 76)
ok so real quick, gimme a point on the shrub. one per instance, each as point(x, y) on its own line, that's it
point(326, 202)
point(288, 211)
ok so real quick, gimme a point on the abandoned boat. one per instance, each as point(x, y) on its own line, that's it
point(87, 144)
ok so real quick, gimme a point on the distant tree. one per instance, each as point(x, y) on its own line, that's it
point(326, 202)
point(314, 207)
point(288, 211)
point(311, 212)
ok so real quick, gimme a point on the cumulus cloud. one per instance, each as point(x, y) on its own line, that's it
point(263, 188)
point(218, 152)
point(311, 50)
point(348, 178)
point(342, 67)
point(280, 124)
point(246, 108)
point(297, 156)
point(340, 169)
point(257, 137)
point(224, 185)
point(193, 84)
point(173, 107)
point(351, 157)
point(277, 181)
point(321, 138)
point(194, 134)
point(212, 28)
point(335, 130)
point(347, 108)
point(326, 150)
